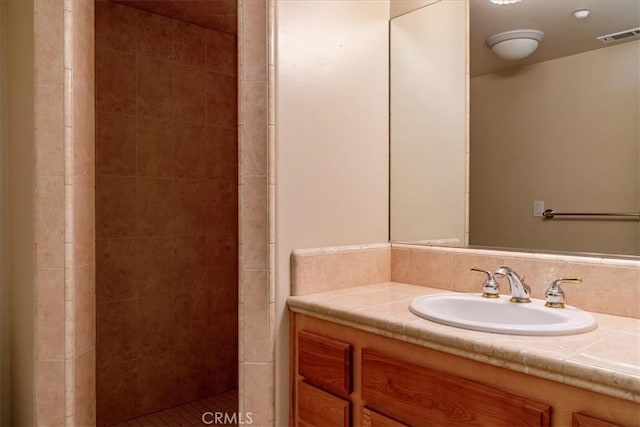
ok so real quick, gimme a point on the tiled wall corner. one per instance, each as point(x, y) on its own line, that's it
point(449, 268)
point(65, 279)
point(256, 201)
point(49, 214)
point(326, 269)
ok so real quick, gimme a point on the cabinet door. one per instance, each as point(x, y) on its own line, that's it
point(582, 420)
point(373, 419)
point(325, 362)
point(321, 409)
point(420, 396)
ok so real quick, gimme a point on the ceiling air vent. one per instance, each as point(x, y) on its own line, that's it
point(614, 37)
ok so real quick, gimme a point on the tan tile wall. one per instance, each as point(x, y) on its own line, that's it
point(167, 200)
point(65, 327)
point(341, 267)
point(257, 192)
point(609, 285)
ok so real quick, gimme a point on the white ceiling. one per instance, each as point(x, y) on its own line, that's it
point(564, 34)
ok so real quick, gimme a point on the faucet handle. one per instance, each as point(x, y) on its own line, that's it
point(490, 286)
point(555, 295)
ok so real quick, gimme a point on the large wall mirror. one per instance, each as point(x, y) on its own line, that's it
point(559, 129)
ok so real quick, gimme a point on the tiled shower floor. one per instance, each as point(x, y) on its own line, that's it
point(189, 414)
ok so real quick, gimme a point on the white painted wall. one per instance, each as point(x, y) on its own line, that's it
point(400, 7)
point(331, 142)
point(429, 123)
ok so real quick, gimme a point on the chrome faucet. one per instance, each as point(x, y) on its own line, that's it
point(520, 291)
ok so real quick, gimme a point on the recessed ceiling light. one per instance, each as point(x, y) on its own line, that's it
point(581, 13)
point(504, 1)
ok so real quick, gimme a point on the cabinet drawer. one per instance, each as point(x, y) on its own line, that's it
point(373, 419)
point(421, 396)
point(325, 362)
point(321, 409)
point(583, 420)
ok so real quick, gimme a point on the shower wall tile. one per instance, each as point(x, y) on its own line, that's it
point(50, 392)
point(115, 144)
point(116, 26)
point(221, 53)
point(167, 212)
point(49, 221)
point(189, 382)
point(191, 207)
point(117, 332)
point(115, 206)
point(189, 95)
point(154, 390)
point(155, 206)
point(49, 53)
point(116, 397)
point(154, 85)
point(190, 150)
point(116, 270)
point(155, 37)
point(155, 147)
point(257, 368)
point(222, 108)
point(85, 389)
point(115, 81)
point(84, 308)
point(49, 144)
point(190, 263)
point(155, 327)
point(255, 137)
point(189, 43)
point(155, 266)
point(84, 221)
point(221, 145)
point(222, 201)
point(254, 43)
point(50, 313)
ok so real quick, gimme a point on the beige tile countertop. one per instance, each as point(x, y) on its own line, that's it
point(605, 360)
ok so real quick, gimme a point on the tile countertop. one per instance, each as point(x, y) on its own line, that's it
point(605, 360)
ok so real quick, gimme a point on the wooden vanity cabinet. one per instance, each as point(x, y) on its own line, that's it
point(418, 395)
point(341, 376)
point(323, 385)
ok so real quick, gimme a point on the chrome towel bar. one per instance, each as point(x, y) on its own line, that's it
point(550, 213)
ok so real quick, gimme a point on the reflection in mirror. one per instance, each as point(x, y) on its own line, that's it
point(560, 127)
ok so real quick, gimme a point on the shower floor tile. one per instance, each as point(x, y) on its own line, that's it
point(192, 413)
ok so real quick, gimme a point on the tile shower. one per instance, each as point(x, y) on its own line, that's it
point(166, 212)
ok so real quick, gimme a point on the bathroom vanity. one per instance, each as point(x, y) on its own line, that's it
point(359, 357)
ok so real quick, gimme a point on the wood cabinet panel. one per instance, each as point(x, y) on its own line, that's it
point(420, 396)
point(373, 419)
point(583, 420)
point(321, 409)
point(325, 362)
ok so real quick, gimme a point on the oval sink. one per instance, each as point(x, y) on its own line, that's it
point(498, 315)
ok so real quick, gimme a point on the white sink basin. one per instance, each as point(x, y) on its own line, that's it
point(498, 315)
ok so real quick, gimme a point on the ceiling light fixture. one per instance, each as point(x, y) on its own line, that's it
point(581, 13)
point(504, 1)
point(514, 45)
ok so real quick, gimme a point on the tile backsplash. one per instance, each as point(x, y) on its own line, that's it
point(609, 286)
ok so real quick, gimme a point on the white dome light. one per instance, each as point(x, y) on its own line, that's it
point(514, 45)
point(504, 1)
